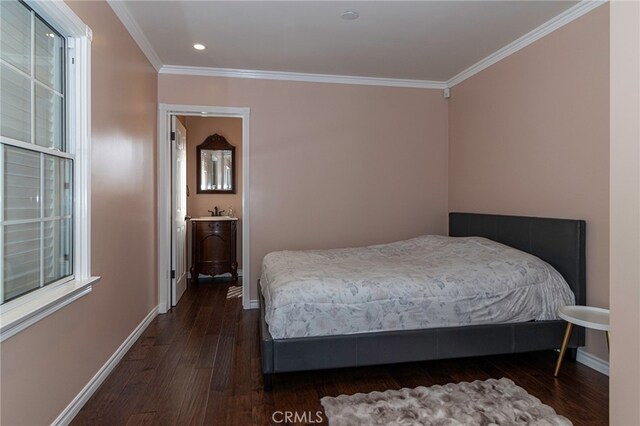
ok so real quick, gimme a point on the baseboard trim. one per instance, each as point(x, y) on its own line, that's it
point(593, 361)
point(254, 304)
point(78, 402)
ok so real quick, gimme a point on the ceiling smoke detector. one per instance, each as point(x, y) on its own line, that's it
point(350, 15)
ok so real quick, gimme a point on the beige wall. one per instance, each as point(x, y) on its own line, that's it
point(625, 213)
point(198, 129)
point(530, 136)
point(356, 165)
point(44, 367)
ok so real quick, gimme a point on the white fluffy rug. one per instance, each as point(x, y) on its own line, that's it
point(489, 402)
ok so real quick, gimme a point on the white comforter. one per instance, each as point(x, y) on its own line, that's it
point(425, 282)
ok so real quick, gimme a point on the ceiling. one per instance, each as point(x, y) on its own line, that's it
point(422, 40)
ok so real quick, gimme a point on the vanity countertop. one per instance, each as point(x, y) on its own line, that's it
point(212, 218)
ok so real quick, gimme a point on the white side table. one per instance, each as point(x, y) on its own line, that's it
point(585, 316)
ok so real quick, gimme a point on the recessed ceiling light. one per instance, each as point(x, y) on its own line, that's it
point(350, 15)
point(199, 46)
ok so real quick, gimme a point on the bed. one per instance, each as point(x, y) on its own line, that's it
point(371, 305)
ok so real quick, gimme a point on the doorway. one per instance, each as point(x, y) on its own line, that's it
point(176, 179)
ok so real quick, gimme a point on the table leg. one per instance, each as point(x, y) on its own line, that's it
point(563, 349)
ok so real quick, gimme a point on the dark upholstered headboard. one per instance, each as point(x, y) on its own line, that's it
point(559, 242)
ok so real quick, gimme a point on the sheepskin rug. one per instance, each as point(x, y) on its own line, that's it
point(489, 402)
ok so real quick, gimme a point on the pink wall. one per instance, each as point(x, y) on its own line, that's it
point(198, 129)
point(625, 213)
point(355, 165)
point(530, 136)
point(45, 366)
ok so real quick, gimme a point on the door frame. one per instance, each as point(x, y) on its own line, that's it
point(163, 193)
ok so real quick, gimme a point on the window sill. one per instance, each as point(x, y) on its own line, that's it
point(44, 303)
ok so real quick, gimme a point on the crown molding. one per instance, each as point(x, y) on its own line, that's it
point(569, 15)
point(122, 12)
point(306, 77)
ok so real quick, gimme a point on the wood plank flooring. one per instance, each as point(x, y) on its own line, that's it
point(200, 364)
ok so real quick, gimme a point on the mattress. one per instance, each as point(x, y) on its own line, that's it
point(425, 282)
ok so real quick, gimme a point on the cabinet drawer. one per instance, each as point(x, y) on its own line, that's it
point(213, 227)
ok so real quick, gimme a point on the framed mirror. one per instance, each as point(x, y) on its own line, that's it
point(216, 166)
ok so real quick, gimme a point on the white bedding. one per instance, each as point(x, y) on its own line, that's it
point(425, 282)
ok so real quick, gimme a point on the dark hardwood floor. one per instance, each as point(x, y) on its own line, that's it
point(200, 364)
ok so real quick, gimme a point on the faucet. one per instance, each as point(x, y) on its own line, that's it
point(216, 212)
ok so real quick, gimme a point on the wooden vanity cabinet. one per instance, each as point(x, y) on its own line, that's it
point(213, 244)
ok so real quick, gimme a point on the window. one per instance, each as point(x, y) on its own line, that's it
point(37, 164)
point(44, 156)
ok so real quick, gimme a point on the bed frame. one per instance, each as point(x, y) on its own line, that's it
point(559, 242)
